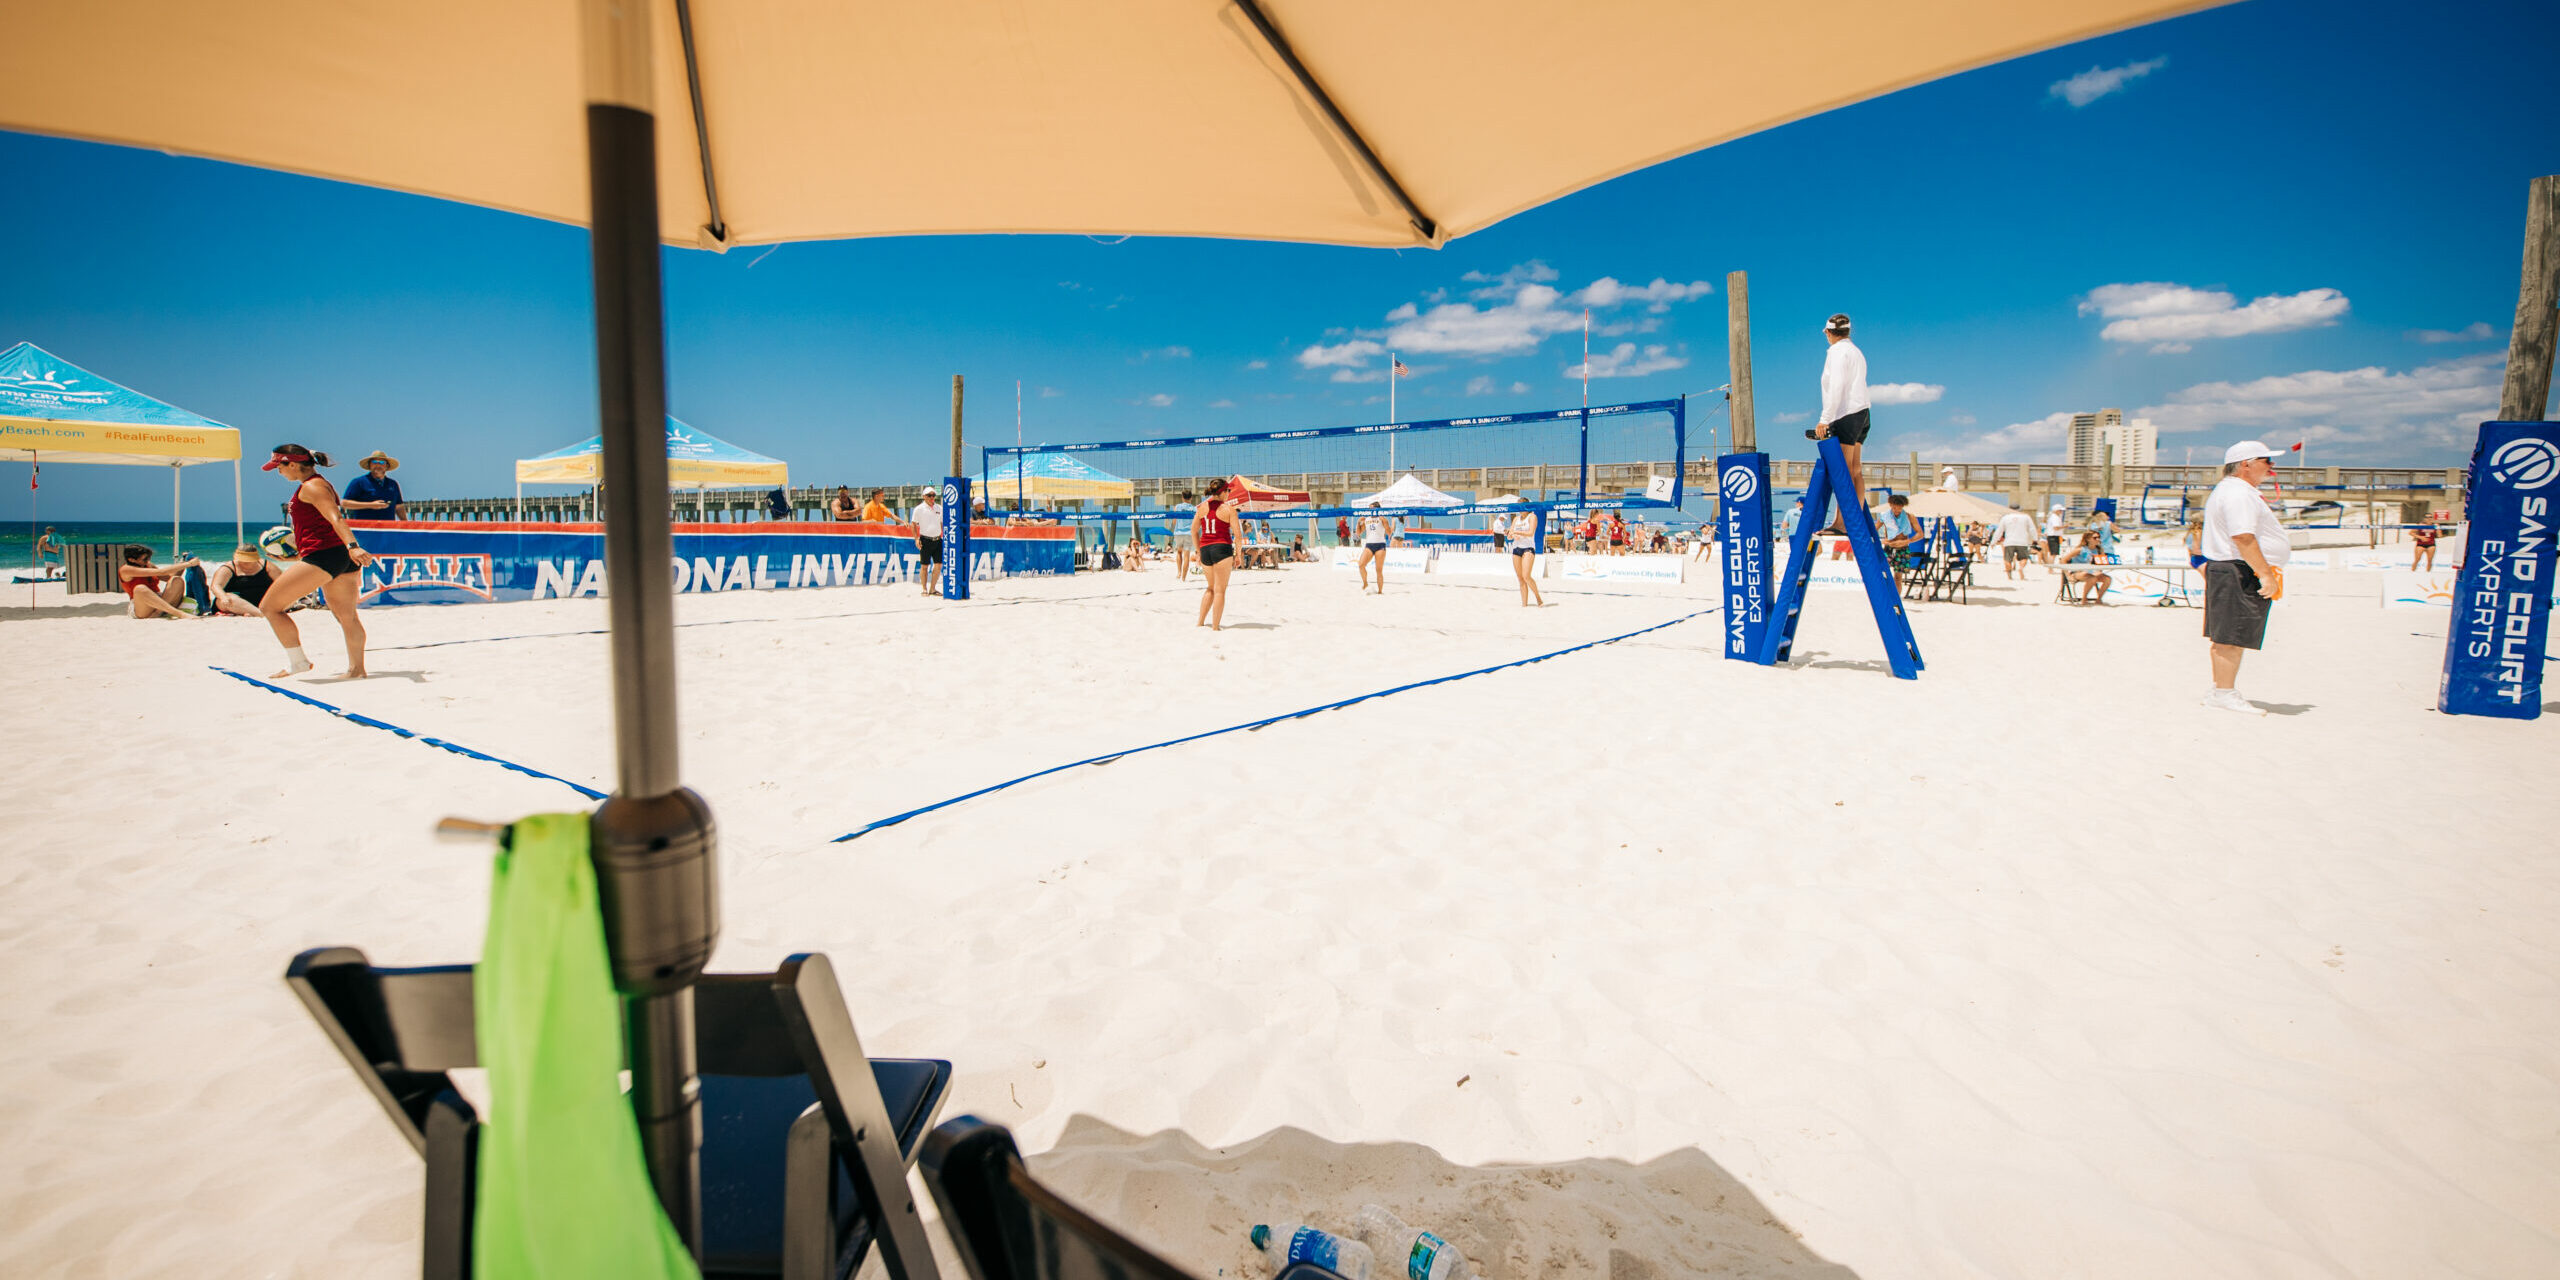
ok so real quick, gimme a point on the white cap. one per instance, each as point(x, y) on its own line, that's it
point(2246, 450)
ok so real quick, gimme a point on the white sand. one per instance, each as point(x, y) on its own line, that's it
point(1637, 962)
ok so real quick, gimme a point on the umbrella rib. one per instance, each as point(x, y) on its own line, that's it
point(1422, 222)
point(701, 127)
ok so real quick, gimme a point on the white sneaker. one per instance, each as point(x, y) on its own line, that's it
point(2230, 700)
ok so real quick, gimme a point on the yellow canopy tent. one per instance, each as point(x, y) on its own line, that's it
point(52, 410)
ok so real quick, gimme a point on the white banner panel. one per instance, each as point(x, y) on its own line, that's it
point(2402, 589)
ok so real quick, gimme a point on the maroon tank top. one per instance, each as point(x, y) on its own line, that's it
point(311, 530)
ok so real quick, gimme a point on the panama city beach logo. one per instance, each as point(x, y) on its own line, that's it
point(2525, 464)
point(1740, 484)
point(411, 572)
point(48, 386)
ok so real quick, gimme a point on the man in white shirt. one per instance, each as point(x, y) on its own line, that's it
point(2244, 549)
point(2017, 541)
point(928, 518)
point(2055, 521)
point(1844, 398)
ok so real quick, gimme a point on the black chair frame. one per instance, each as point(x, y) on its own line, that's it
point(785, 1086)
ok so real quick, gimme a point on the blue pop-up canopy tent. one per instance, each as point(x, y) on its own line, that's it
point(695, 458)
point(52, 410)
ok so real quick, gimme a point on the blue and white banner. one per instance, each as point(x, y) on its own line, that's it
point(955, 537)
point(1742, 482)
point(2502, 599)
point(422, 563)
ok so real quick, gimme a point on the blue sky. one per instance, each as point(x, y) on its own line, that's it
point(2281, 219)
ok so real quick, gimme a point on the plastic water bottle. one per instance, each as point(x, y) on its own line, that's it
point(1294, 1242)
point(1424, 1255)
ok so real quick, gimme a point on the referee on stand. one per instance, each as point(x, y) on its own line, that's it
point(1844, 400)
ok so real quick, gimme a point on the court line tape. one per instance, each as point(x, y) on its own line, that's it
point(1263, 723)
point(354, 717)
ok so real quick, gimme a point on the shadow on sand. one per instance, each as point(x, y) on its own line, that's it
point(1680, 1214)
point(102, 609)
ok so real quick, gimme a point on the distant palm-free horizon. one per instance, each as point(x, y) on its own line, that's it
point(2278, 220)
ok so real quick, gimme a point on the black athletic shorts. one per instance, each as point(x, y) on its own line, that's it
point(929, 550)
point(334, 559)
point(1216, 553)
point(2234, 612)
point(2053, 543)
point(1850, 428)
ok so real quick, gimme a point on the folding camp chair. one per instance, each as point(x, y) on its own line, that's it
point(1006, 1226)
point(797, 1122)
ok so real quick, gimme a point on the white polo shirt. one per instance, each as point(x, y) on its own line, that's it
point(2235, 506)
point(2017, 529)
point(928, 519)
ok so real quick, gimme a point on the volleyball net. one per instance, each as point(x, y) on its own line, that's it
point(1560, 460)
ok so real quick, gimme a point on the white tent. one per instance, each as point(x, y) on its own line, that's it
point(1409, 492)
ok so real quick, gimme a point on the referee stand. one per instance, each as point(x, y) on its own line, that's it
point(1831, 483)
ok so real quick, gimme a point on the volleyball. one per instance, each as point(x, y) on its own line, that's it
point(277, 542)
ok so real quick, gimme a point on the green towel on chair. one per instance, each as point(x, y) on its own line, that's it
point(564, 1190)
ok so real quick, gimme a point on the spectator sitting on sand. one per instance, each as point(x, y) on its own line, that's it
point(1899, 531)
point(2093, 583)
point(1136, 559)
point(238, 585)
point(153, 590)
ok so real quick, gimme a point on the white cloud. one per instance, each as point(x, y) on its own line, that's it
point(1257, 364)
point(2098, 82)
point(1607, 292)
point(1359, 375)
point(1519, 388)
point(1626, 362)
point(1049, 393)
point(1791, 417)
point(1222, 404)
point(2476, 331)
point(2173, 317)
point(1164, 353)
point(1350, 354)
point(1160, 400)
point(1482, 385)
point(1501, 286)
point(1905, 392)
point(2436, 406)
point(1509, 314)
point(1961, 419)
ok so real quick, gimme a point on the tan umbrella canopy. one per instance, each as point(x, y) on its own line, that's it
point(1341, 121)
point(1933, 503)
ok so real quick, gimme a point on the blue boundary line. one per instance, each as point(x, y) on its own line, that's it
point(1264, 723)
point(386, 726)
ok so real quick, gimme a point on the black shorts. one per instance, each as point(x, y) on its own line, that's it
point(2234, 612)
point(1524, 551)
point(334, 559)
point(929, 550)
point(2053, 543)
point(1850, 428)
point(1216, 553)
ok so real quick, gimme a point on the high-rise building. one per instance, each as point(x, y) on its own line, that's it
point(2137, 442)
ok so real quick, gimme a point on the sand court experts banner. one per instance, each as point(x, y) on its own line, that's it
point(2493, 655)
point(432, 563)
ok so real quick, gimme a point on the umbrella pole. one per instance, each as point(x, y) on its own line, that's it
point(175, 551)
point(239, 517)
point(653, 840)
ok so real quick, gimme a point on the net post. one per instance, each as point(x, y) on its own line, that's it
point(955, 538)
point(1679, 448)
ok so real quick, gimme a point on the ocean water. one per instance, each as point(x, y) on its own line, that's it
point(207, 540)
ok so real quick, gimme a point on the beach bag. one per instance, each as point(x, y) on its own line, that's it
point(564, 1191)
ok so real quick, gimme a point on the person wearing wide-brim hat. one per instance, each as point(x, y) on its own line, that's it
point(375, 490)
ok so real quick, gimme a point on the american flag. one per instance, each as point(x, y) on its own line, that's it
point(1401, 371)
